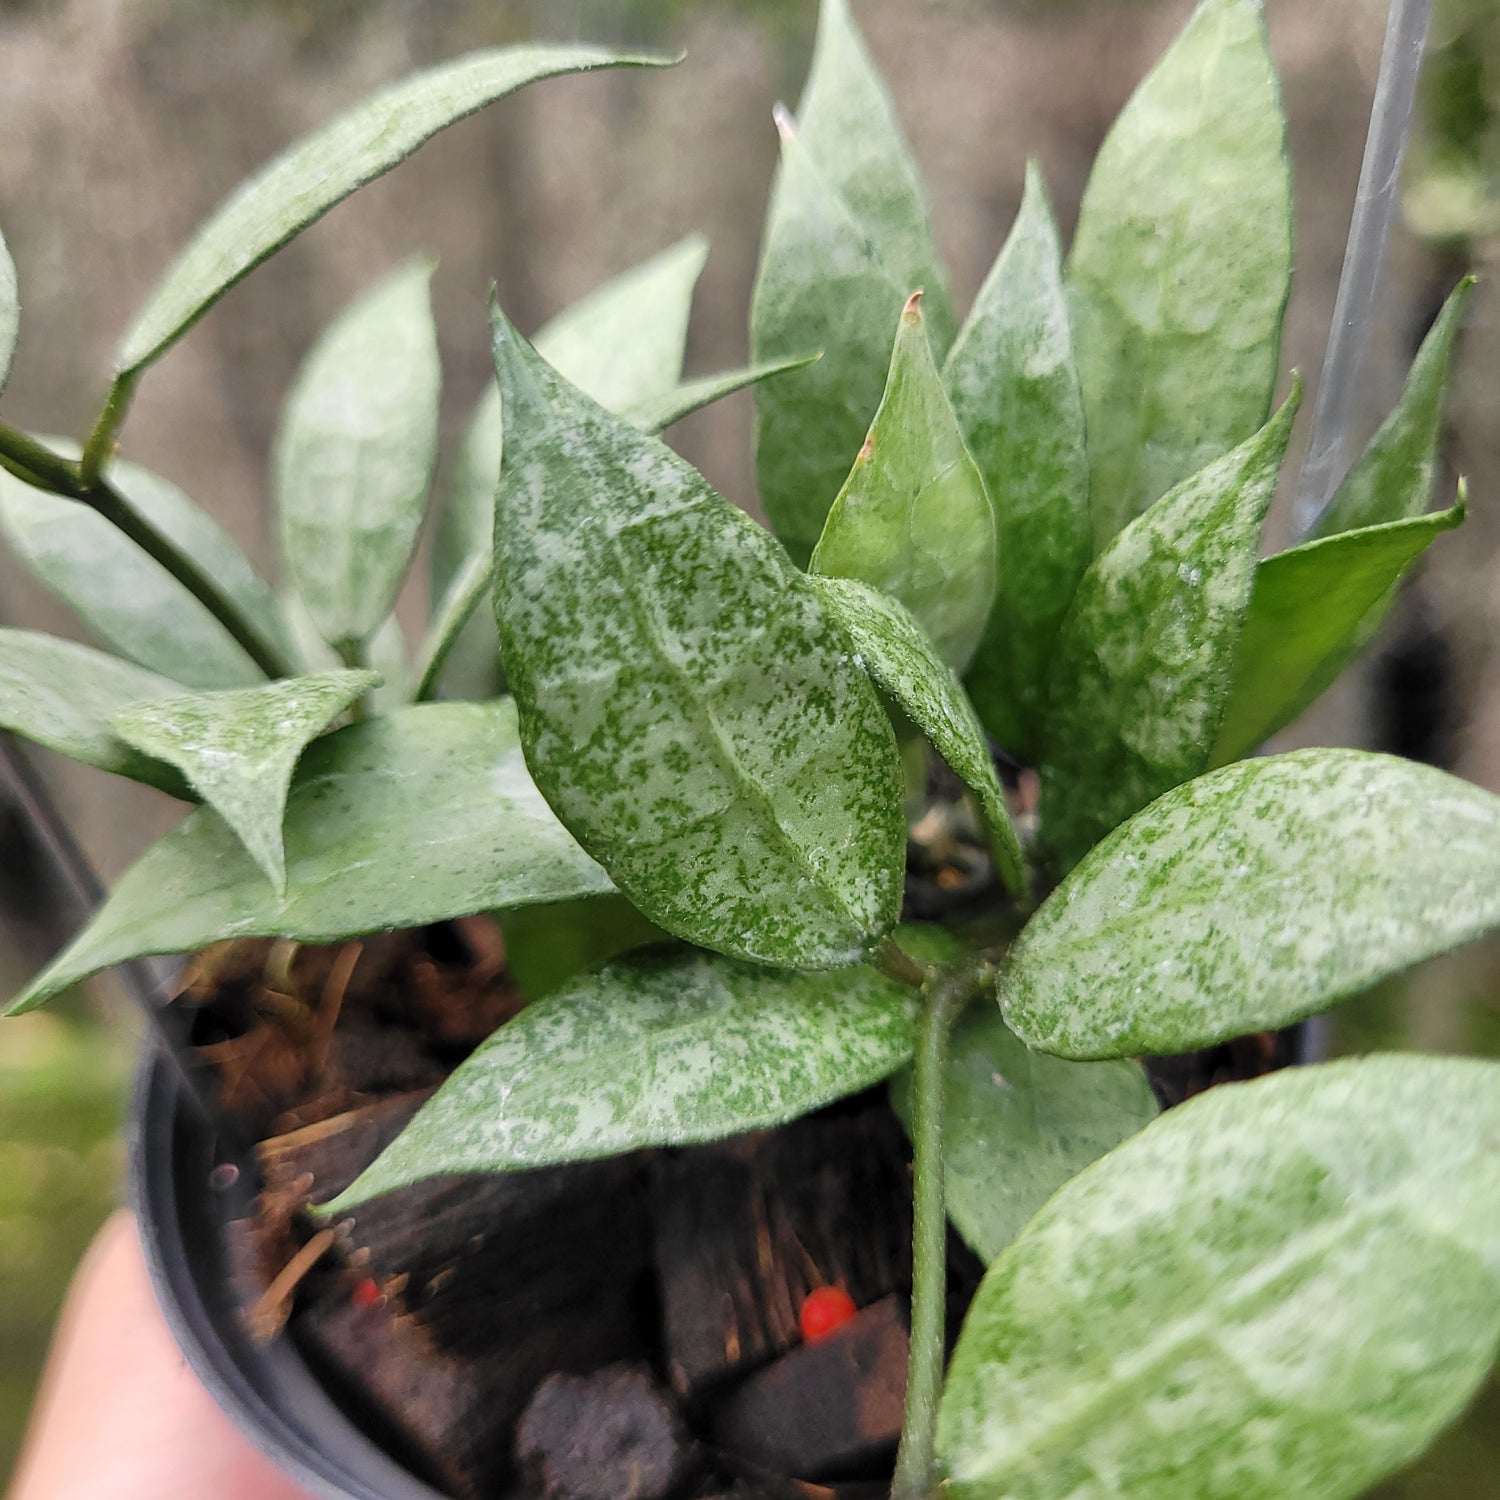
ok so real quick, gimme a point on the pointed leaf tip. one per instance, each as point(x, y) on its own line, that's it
point(1013, 380)
point(847, 238)
point(913, 517)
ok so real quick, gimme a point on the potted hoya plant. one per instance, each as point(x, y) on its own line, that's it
point(556, 998)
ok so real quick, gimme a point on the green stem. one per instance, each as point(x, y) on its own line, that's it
point(39, 466)
point(352, 654)
point(23, 456)
point(100, 447)
point(944, 998)
point(896, 963)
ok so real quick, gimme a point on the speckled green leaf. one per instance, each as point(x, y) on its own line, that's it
point(354, 456)
point(1019, 1124)
point(1253, 897)
point(410, 818)
point(849, 128)
point(64, 696)
point(1181, 265)
point(324, 167)
point(687, 709)
point(10, 312)
point(1282, 1290)
point(889, 644)
point(1393, 479)
point(125, 598)
point(622, 344)
point(238, 748)
point(1312, 611)
point(846, 241)
point(653, 1050)
point(1144, 663)
point(913, 518)
point(1014, 386)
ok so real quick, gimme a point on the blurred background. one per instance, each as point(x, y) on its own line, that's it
point(123, 122)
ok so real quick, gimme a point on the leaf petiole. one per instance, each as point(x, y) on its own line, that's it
point(945, 995)
point(896, 963)
point(100, 447)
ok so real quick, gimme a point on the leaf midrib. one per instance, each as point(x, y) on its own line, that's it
point(756, 794)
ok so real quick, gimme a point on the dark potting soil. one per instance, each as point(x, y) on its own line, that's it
point(624, 1329)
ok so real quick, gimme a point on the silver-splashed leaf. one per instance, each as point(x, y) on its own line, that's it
point(354, 455)
point(1181, 264)
point(1253, 897)
point(659, 1049)
point(1013, 382)
point(1281, 1290)
point(824, 284)
point(686, 707)
point(623, 345)
point(1145, 661)
point(238, 748)
point(415, 817)
point(850, 129)
point(324, 167)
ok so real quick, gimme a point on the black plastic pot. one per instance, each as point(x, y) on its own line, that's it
point(185, 1190)
point(185, 1195)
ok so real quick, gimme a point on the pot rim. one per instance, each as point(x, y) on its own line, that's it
point(269, 1392)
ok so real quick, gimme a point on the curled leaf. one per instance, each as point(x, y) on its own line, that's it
point(238, 748)
point(65, 696)
point(889, 644)
point(1393, 479)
